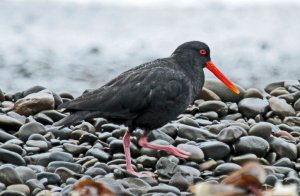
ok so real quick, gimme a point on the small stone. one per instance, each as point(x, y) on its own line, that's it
point(193, 133)
point(297, 105)
point(11, 193)
point(99, 154)
point(43, 118)
point(271, 180)
point(242, 159)
point(4, 136)
point(34, 103)
point(254, 93)
point(250, 107)
point(281, 108)
point(215, 150)
point(42, 145)
point(226, 168)
point(196, 153)
point(273, 86)
point(146, 161)
point(52, 166)
point(163, 188)
point(30, 128)
point(279, 91)
point(188, 121)
point(64, 173)
point(216, 106)
point(25, 173)
point(292, 121)
point(283, 148)
point(11, 157)
point(61, 156)
point(22, 188)
point(179, 181)
point(252, 144)
point(262, 129)
point(170, 129)
point(231, 134)
point(13, 147)
point(223, 91)
point(94, 171)
point(52, 178)
point(75, 149)
point(7, 122)
point(135, 183)
point(9, 176)
point(35, 184)
point(166, 168)
point(208, 165)
point(207, 95)
point(284, 162)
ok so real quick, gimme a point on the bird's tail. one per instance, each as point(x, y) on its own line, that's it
point(72, 118)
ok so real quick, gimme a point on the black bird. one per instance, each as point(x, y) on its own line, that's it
point(148, 96)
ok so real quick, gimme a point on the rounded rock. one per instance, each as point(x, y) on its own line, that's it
point(252, 144)
point(262, 129)
point(254, 93)
point(11, 157)
point(231, 134)
point(215, 150)
point(226, 168)
point(281, 108)
point(22, 188)
point(196, 154)
point(251, 107)
point(30, 128)
point(216, 106)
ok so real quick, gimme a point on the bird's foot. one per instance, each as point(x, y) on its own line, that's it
point(141, 174)
point(167, 148)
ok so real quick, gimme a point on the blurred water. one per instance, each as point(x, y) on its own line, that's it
point(71, 45)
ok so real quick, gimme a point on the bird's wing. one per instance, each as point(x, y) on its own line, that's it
point(133, 92)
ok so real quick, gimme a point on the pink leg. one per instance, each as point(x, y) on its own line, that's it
point(126, 145)
point(169, 148)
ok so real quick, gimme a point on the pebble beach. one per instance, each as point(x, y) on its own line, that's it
point(221, 130)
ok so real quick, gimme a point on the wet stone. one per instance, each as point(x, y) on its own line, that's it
point(262, 129)
point(146, 161)
point(250, 107)
point(25, 173)
point(215, 150)
point(231, 134)
point(11, 157)
point(254, 93)
point(52, 166)
point(34, 103)
point(9, 176)
point(163, 188)
point(226, 168)
point(224, 92)
point(252, 144)
point(31, 128)
point(22, 188)
point(283, 148)
point(196, 153)
point(281, 108)
point(9, 123)
point(217, 106)
point(52, 178)
point(193, 133)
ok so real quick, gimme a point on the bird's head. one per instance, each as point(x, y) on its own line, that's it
point(199, 53)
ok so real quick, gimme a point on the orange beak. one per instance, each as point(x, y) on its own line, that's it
point(215, 70)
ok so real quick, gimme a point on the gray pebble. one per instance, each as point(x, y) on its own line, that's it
point(52, 178)
point(226, 168)
point(262, 129)
point(292, 121)
point(196, 153)
point(9, 123)
point(116, 146)
point(254, 93)
point(284, 162)
point(250, 107)
point(9, 176)
point(281, 108)
point(146, 161)
point(75, 149)
point(193, 133)
point(30, 128)
point(231, 134)
point(163, 188)
point(22, 188)
point(99, 154)
point(252, 144)
point(216, 106)
point(283, 148)
point(4, 136)
point(273, 86)
point(11, 157)
point(52, 166)
point(25, 173)
point(179, 181)
point(215, 149)
point(224, 92)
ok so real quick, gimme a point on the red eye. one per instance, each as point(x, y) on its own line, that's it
point(203, 51)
